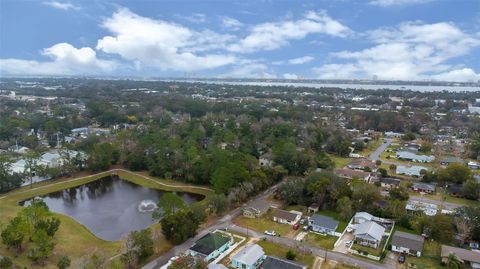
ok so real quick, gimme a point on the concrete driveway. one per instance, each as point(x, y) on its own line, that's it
point(342, 248)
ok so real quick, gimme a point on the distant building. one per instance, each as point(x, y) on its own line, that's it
point(256, 209)
point(410, 170)
point(361, 217)
point(409, 156)
point(351, 174)
point(393, 135)
point(265, 160)
point(286, 217)
point(426, 208)
point(468, 257)
point(389, 182)
point(423, 188)
point(451, 159)
point(407, 243)
point(362, 164)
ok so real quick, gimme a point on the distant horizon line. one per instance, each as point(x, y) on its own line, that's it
point(303, 80)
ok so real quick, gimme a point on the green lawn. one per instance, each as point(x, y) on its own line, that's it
point(341, 223)
point(372, 251)
point(430, 258)
point(371, 147)
point(446, 198)
point(265, 223)
point(340, 162)
point(74, 239)
point(280, 251)
point(324, 241)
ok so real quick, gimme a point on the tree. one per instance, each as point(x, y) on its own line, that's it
point(400, 193)
point(102, 157)
point(42, 246)
point(8, 181)
point(14, 234)
point(438, 227)
point(291, 191)
point(144, 243)
point(179, 226)
point(31, 165)
point(464, 227)
point(169, 203)
point(290, 255)
point(455, 172)
point(393, 167)
point(6, 263)
point(63, 263)
point(474, 147)
point(471, 189)
point(453, 262)
point(218, 203)
point(345, 208)
point(471, 213)
point(364, 195)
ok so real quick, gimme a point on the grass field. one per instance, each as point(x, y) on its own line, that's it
point(266, 223)
point(74, 239)
point(446, 198)
point(324, 241)
point(371, 147)
point(430, 258)
point(340, 162)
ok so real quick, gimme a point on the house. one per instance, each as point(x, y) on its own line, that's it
point(413, 147)
point(256, 209)
point(286, 217)
point(313, 208)
point(407, 243)
point(265, 160)
point(369, 234)
point(351, 174)
point(250, 257)
point(361, 217)
point(216, 266)
point(52, 159)
point(427, 208)
point(409, 156)
point(389, 182)
point(410, 170)
point(323, 224)
point(276, 263)
point(451, 159)
point(467, 257)
point(455, 190)
point(362, 164)
point(210, 246)
point(423, 188)
point(393, 135)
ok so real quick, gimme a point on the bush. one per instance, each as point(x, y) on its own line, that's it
point(291, 255)
point(5, 263)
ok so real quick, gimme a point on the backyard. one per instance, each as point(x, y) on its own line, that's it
point(265, 223)
point(324, 241)
point(279, 251)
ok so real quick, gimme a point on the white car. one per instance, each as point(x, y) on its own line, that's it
point(349, 229)
point(272, 233)
point(348, 243)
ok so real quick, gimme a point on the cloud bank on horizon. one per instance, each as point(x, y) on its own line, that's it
point(384, 39)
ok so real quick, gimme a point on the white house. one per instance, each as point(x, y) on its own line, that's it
point(410, 170)
point(369, 234)
point(286, 217)
point(407, 243)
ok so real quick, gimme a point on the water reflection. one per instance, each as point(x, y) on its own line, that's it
point(108, 207)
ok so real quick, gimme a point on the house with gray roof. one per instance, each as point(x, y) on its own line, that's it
point(250, 257)
point(256, 209)
point(361, 217)
point(369, 234)
point(410, 170)
point(409, 156)
point(451, 159)
point(276, 263)
point(323, 224)
point(468, 257)
point(407, 243)
point(286, 217)
point(423, 187)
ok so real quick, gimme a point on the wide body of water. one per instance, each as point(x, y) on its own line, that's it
point(109, 207)
point(357, 86)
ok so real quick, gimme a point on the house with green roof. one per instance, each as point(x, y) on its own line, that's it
point(210, 246)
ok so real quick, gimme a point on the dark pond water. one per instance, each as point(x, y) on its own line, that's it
point(110, 207)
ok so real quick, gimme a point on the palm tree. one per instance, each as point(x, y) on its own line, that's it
point(453, 262)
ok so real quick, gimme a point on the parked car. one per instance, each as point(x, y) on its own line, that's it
point(296, 226)
point(272, 233)
point(348, 243)
point(401, 258)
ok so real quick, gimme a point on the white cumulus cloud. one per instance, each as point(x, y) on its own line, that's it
point(273, 35)
point(231, 23)
point(161, 44)
point(301, 60)
point(65, 60)
point(388, 3)
point(412, 50)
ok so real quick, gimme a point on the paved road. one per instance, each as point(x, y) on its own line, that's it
point(222, 223)
point(316, 251)
point(446, 205)
point(376, 154)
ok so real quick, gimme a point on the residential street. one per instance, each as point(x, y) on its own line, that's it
point(376, 154)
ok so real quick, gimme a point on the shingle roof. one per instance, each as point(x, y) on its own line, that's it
point(390, 180)
point(276, 263)
point(282, 214)
point(371, 229)
point(249, 255)
point(410, 241)
point(462, 254)
point(324, 221)
point(209, 243)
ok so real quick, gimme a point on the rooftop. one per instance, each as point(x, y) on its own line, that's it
point(209, 243)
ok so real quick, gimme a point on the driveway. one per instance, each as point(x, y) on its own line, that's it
point(341, 247)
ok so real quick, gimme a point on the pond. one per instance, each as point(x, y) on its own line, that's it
point(110, 207)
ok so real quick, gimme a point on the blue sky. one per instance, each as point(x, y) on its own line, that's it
point(384, 39)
